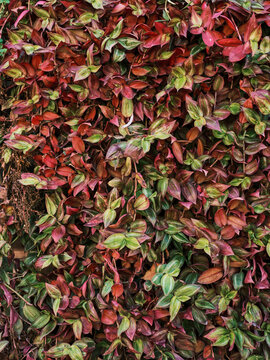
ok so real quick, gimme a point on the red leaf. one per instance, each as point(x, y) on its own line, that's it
point(50, 161)
point(208, 38)
point(132, 329)
point(58, 233)
point(236, 222)
point(8, 295)
point(210, 276)
point(48, 115)
point(78, 144)
point(73, 230)
point(177, 152)
point(174, 189)
point(65, 171)
point(138, 84)
point(227, 232)
point(230, 42)
point(127, 92)
point(189, 192)
point(236, 54)
point(108, 317)
point(86, 325)
point(117, 290)
point(220, 218)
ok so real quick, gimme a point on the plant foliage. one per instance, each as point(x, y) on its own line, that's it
point(135, 190)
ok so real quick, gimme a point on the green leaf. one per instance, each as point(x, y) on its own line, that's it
point(97, 4)
point(82, 73)
point(167, 284)
point(165, 242)
point(129, 43)
point(123, 326)
point(222, 341)
point(252, 116)
point(115, 241)
point(238, 279)
point(180, 238)
point(77, 328)
point(109, 217)
point(30, 312)
point(50, 205)
point(239, 338)
point(236, 182)
point(253, 313)
point(75, 353)
point(217, 333)
point(107, 288)
point(132, 243)
point(194, 111)
point(43, 14)
point(199, 316)
point(41, 321)
point(112, 347)
point(204, 304)
point(138, 345)
point(162, 186)
point(76, 88)
point(142, 203)
point(56, 38)
point(59, 350)
point(235, 108)
point(156, 279)
point(187, 290)
point(43, 219)
point(110, 44)
point(14, 73)
point(127, 107)
point(200, 123)
point(260, 128)
point(184, 298)
point(94, 68)
point(53, 291)
point(87, 17)
point(246, 183)
point(180, 82)
point(3, 344)
point(196, 49)
point(175, 305)
point(116, 204)
point(164, 301)
point(201, 243)
point(95, 138)
point(30, 49)
point(48, 329)
point(268, 248)
point(56, 305)
point(173, 268)
point(118, 55)
point(117, 30)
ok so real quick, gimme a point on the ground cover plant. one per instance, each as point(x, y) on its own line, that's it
point(135, 189)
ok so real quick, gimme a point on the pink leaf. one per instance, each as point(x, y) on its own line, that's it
point(174, 189)
point(208, 38)
point(58, 233)
point(20, 17)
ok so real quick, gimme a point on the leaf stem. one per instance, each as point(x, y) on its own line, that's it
point(15, 292)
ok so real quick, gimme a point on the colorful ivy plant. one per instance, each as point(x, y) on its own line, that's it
point(135, 191)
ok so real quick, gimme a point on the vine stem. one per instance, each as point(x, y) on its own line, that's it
point(15, 292)
point(244, 155)
point(136, 181)
point(1, 30)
